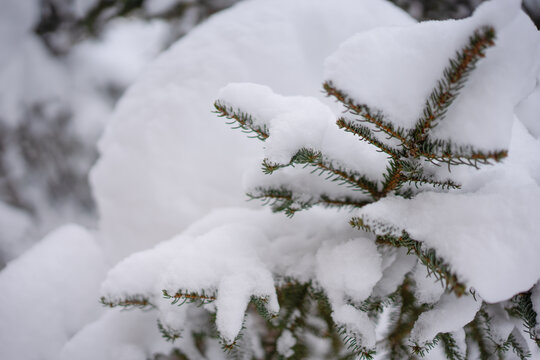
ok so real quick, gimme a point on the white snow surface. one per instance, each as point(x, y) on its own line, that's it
point(388, 70)
point(399, 265)
point(342, 275)
point(356, 322)
point(118, 335)
point(449, 314)
point(428, 290)
point(285, 343)
point(528, 111)
point(166, 159)
point(49, 293)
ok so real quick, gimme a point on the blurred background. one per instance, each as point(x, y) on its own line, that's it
point(63, 66)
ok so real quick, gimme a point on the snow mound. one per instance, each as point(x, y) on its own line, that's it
point(48, 294)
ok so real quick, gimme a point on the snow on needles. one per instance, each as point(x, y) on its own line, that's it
point(449, 314)
point(296, 122)
point(387, 69)
point(488, 235)
point(230, 263)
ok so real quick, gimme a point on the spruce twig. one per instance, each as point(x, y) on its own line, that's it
point(523, 309)
point(323, 165)
point(182, 297)
point(453, 80)
point(242, 120)
point(365, 133)
point(129, 302)
point(366, 114)
point(282, 199)
point(435, 265)
point(168, 333)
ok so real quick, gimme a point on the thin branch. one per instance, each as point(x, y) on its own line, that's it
point(366, 134)
point(243, 120)
point(454, 77)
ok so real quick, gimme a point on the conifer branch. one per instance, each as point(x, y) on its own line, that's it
point(323, 165)
point(451, 349)
point(407, 314)
point(242, 120)
point(393, 178)
point(366, 114)
point(168, 333)
point(279, 199)
point(365, 133)
point(346, 201)
point(374, 306)
point(443, 151)
point(524, 310)
point(447, 184)
point(497, 347)
point(183, 297)
point(428, 257)
point(435, 265)
point(454, 77)
point(134, 301)
point(517, 348)
point(282, 199)
point(476, 332)
point(353, 343)
point(449, 345)
point(261, 305)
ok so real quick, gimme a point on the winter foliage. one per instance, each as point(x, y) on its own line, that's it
point(399, 165)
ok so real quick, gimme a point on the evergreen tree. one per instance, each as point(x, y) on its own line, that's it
point(307, 311)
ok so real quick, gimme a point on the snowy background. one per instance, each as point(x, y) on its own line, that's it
point(103, 157)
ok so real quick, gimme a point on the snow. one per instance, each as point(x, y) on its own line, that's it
point(501, 327)
point(357, 323)
point(341, 274)
point(428, 290)
point(393, 275)
point(285, 343)
point(387, 69)
point(527, 111)
point(117, 335)
point(48, 294)
point(448, 315)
